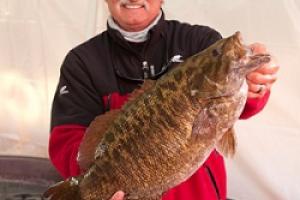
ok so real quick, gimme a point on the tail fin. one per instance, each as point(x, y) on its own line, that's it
point(64, 190)
point(227, 144)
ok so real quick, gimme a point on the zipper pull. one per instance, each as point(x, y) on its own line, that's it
point(152, 71)
point(146, 69)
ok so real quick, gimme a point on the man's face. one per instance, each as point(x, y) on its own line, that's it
point(134, 15)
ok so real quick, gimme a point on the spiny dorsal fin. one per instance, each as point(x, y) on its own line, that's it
point(147, 85)
point(93, 137)
point(227, 144)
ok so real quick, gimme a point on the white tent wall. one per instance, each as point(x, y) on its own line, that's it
point(35, 35)
point(34, 39)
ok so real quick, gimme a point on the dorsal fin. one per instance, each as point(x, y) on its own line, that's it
point(147, 85)
point(93, 137)
point(97, 128)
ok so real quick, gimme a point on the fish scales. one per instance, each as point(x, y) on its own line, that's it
point(160, 138)
point(133, 136)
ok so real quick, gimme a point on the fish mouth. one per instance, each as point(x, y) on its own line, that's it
point(255, 61)
point(260, 59)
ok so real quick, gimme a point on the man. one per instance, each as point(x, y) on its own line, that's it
point(97, 75)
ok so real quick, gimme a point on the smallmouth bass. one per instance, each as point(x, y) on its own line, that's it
point(167, 130)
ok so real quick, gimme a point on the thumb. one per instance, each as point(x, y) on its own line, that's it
point(118, 196)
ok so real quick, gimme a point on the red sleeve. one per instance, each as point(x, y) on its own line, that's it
point(63, 148)
point(253, 106)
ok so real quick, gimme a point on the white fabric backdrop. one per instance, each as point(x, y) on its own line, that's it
point(35, 35)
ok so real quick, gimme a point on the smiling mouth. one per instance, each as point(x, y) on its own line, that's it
point(132, 6)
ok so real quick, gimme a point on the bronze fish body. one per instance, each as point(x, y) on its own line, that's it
point(163, 135)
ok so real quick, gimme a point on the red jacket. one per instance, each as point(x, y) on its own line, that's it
point(208, 183)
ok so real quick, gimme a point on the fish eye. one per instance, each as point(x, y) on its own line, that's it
point(216, 52)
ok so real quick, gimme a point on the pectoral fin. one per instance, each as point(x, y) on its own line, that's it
point(227, 144)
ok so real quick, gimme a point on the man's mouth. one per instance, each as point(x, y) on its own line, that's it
point(132, 6)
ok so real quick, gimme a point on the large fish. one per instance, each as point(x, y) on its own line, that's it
point(167, 130)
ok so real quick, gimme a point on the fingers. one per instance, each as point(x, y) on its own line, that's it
point(269, 68)
point(261, 79)
point(265, 74)
point(253, 95)
point(258, 48)
point(256, 90)
point(118, 196)
point(259, 84)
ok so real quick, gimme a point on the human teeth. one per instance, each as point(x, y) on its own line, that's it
point(133, 6)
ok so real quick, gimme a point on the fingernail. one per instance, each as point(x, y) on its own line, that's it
point(118, 195)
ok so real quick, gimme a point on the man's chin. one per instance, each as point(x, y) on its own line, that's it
point(135, 26)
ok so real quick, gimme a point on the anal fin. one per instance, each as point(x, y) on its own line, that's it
point(227, 144)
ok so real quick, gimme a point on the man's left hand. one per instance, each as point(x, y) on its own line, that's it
point(262, 79)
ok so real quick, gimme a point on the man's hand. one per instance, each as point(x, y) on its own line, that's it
point(262, 79)
point(118, 196)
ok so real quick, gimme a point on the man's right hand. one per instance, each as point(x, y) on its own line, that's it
point(118, 196)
